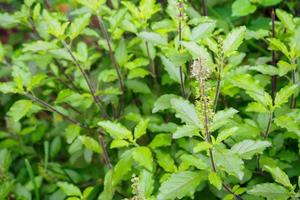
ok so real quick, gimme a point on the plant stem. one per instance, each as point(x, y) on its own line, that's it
point(86, 78)
point(180, 46)
point(265, 135)
point(111, 54)
point(274, 78)
point(218, 87)
point(293, 99)
point(152, 67)
point(204, 8)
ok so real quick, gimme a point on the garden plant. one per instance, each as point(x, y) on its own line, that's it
point(149, 99)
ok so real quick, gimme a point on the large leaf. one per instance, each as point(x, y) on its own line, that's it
point(19, 109)
point(271, 191)
point(163, 102)
point(279, 176)
point(116, 130)
point(242, 8)
point(284, 94)
point(233, 40)
point(69, 189)
point(90, 143)
point(172, 69)
point(286, 19)
point(186, 112)
point(248, 148)
point(154, 38)
point(229, 161)
point(186, 131)
point(143, 156)
point(180, 184)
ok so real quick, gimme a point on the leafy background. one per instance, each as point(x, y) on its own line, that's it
point(149, 99)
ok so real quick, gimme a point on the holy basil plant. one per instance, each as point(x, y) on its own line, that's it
point(149, 100)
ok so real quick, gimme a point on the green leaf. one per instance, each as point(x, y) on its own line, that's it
point(284, 94)
point(215, 180)
point(8, 21)
point(35, 81)
point(198, 51)
point(265, 69)
point(224, 134)
point(108, 191)
point(180, 184)
point(191, 160)
point(165, 161)
point(69, 189)
point(138, 86)
point(78, 25)
point(186, 112)
point(141, 128)
point(161, 140)
point(269, 2)
point(5, 160)
point(186, 131)
point(146, 182)
point(143, 156)
point(280, 176)
point(19, 109)
point(201, 146)
point(286, 19)
point(248, 148)
point(90, 143)
point(222, 117)
point(121, 168)
point(172, 70)
point(277, 45)
point(285, 67)
point(121, 53)
point(271, 191)
point(233, 40)
point(289, 122)
point(242, 8)
point(163, 102)
point(203, 30)
point(253, 88)
point(8, 87)
point(154, 38)
point(229, 161)
point(118, 144)
point(116, 130)
point(39, 46)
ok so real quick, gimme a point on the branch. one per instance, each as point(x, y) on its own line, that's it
point(111, 54)
point(204, 8)
point(152, 67)
point(74, 121)
point(86, 78)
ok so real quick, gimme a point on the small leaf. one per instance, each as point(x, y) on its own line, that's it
point(78, 25)
point(242, 8)
point(143, 156)
point(284, 94)
point(90, 143)
point(277, 45)
point(154, 38)
point(280, 176)
point(186, 112)
point(224, 134)
point(191, 160)
point(271, 191)
point(165, 161)
point(248, 148)
point(118, 144)
point(108, 191)
point(180, 184)
point(215, 180)
point(286, 19)
point(39, 46)
point(141, 128)
point(163, 102)
point(201, 146)
point(203, 30)
point(69, 189)
point(19, 109)
point(161, 140)
point(186, 131)
point(233, 40)
point(138, 86)
point(116, 130)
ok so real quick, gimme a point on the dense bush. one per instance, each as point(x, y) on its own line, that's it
point(145, 99)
